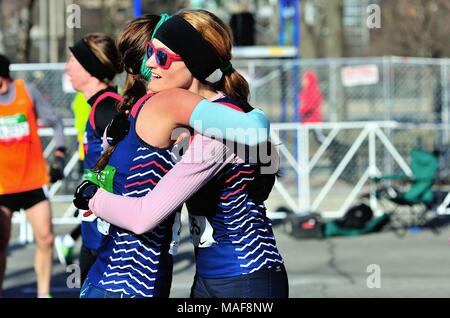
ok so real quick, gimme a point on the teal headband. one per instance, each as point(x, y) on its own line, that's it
point(145, 71)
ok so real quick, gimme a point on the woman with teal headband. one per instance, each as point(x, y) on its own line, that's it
point(131, 265)
point(146, 72)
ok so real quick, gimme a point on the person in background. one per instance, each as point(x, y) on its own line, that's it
point(24, 174)
point(310, 97)
point(93, 64)
point(64, 245)
point(235, 249)
point(81, 110)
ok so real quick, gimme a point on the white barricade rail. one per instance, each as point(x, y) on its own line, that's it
point(375, 142)
point(402, 89)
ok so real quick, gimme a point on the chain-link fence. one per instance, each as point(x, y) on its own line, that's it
point(48, 78)
point(414, 91)
point(356, 89)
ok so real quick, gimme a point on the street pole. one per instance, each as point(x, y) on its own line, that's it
point(53, 32)
point(137, 8)
point(43, 26)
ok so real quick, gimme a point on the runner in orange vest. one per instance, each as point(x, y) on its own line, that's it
point(24, 174)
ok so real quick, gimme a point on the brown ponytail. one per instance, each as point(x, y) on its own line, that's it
point(219, 35)
point(235, 86)
point(131, 44)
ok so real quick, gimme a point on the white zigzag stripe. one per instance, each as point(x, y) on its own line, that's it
point(128, 284)
point(131, 276)
point(244, 208)
point(137, 252)
point(244, 237)
point(227, 204)
point(261, 255)
point(240, 182)
point(253, 213)
point(144, 174)
point(142, 149)
point(265, 262)
point(122, 234)
point(137, 241)
point(243, 216)
point(259, 205)
point(151, 154)
point(253, 241)
point(243, 223)
point(135, 192)
point(256, 248)
point(249, 228)
point(123, 259)
point(235, 207)
point(235, 215)
point(130, 266)
point(118, 291)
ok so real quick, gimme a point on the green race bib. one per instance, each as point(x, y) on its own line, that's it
point(104, 179)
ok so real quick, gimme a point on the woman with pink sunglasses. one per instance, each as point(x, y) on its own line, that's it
point(236, 254)
point(131, 265)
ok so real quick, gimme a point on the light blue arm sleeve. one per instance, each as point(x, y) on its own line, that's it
point(215, 120)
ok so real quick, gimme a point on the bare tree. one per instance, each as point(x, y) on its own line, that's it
point(412, 28)
point(25, 10)
point(322, 36)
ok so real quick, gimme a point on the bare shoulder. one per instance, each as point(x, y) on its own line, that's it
point(152, 126)
point(175, 97)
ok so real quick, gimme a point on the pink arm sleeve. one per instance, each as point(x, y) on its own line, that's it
point(202, 161)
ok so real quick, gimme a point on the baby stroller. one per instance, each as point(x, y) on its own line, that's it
point(410, 203)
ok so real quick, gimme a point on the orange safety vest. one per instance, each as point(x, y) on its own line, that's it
point(22, 164)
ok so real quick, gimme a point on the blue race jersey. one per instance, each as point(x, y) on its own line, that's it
point(103, 105)
point(138, 265)
point(231, 232)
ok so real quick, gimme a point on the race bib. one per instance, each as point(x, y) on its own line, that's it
point(201, 231)
point(103, 226)
point(104, 179)
point(14, 128)
point(176, 231)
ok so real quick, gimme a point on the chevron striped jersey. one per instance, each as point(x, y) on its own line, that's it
point(138, 265)
point(231, 232)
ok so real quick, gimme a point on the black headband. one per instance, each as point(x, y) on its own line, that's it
point(198, 54)
point(90, 61)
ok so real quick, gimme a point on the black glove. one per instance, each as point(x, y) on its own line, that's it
point(261, 187)
point(84, 192)
point(57, 169)
point(117, 129)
